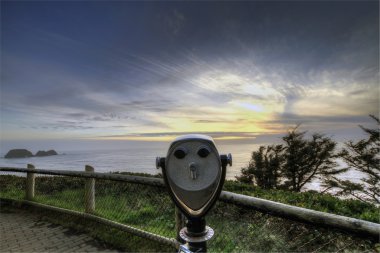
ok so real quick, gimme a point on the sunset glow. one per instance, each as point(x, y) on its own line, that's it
point(150, 71)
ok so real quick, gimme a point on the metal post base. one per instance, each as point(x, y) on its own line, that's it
point(195, 242)
point(205, 236)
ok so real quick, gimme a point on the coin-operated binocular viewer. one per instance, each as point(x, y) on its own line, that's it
point(194, 174)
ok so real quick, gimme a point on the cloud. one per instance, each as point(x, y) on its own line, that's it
point(76, 115)
point(174, 21)
point(152, 105)
point(335, 93)
point(295, 119)
point(241, 69)
point(170, 135)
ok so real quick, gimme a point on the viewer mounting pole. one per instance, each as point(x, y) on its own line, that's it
point(194, 174)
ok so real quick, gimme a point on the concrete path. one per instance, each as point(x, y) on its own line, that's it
point(21, 231)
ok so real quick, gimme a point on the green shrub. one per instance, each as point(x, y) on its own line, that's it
point(311, 200)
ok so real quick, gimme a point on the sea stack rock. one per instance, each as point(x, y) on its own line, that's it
point(46, 153)
point(18, 153)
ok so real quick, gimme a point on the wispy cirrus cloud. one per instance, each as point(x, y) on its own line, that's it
point(252, 69)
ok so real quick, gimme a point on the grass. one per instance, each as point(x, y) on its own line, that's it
point(311, 200)
point(236, 228)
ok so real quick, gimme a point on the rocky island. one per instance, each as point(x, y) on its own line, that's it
point(18, 153)
point(23, 153)
point(46, 153)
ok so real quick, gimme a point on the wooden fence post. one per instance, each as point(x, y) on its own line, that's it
point(30, 183)
point(89, 191)
point(179, 223)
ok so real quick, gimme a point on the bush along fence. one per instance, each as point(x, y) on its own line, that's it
point(141, 206)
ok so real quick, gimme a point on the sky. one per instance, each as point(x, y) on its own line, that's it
point(126, 70)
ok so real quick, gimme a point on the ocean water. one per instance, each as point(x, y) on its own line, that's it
point(136, 158)
point(141, 158)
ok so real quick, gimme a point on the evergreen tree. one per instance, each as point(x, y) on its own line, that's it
point(264, 167)
point(246, 176)
point(293, 165)
point(307, 159)
point(363, 156)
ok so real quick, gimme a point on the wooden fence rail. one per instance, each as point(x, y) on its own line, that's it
point(347, 224)
point(108, 176)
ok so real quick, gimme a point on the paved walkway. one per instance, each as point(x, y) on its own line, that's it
point(21, 231)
